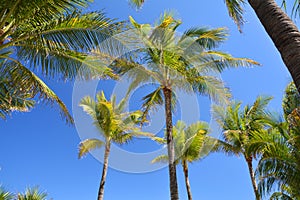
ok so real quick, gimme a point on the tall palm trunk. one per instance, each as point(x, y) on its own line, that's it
point(251, 172)
point(170, 142)
point(283, 32)
point(186, 177)
point(1, 33)
point(104, 170)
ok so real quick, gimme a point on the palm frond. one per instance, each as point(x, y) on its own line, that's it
point(5, 195)
point(295, 9)
point(89, 106)
point(89, 145)
point(219, 61)
point(136, 3)
point(52, 38)
point(60, 49)
point(236, 11)
point(32, 86)
point(280, 196)
point(291, 99)
point(12, 97)
point(32, 194)
point(259, 106)
point(227, 148)
point(25, 9)
point(195, 135)
point(210, 86)
point(151, 101)
point(161, 159)
point(205, 38)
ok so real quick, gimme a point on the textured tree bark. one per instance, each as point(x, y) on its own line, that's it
point(283, 32)
point(170, 142)
point(186, 177)
point(251, 172)
point(1, 40)
point(104, 171)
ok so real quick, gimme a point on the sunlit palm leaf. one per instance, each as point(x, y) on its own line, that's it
point(32, 194)
point(5, 195)
point(112, 122)
point(52, 38)
point(137, 3)
point(89, 145)
point(236, 11)
point(160, 159)
point(30, 85)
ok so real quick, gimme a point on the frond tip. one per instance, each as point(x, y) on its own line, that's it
point(236, 11)
point(136, 3)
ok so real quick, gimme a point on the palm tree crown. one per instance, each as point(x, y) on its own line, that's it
point(49, 38)
point(114, 125)
point(189, 143)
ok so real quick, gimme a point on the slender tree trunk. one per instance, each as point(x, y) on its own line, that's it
point(251, 172)
point(1, 33)
point(283, 32)
point(170, 143)
point(104, 171)
point(186, 177)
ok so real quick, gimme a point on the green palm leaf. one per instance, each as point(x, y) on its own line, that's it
point(236, 11)
point(89, 145)
point(161, 159)
point(32, 194)
point(5, 195)
point(29, 85)
point(113, 124)
point(52, 38)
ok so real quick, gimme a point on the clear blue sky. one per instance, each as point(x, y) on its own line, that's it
point(37, 148)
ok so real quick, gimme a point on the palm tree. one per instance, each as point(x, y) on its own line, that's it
point(239, 126)
point(114, 125)
point(177, 63)
point(32, 194)
point(278, 25)
point(189, 142)
point(51, 38)
point(279, 165)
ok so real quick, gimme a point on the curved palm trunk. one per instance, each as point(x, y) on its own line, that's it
point(251, 172)
point(170, 143)
point(104, 171)
point(283, 32)
point(186, 177)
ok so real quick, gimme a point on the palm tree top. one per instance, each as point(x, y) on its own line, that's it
point(32, 194)
point(112, 121)
point(240, 124)
point(180, 61)
point(189, 142)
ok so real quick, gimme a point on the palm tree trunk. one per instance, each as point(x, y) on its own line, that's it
point(187, 182)
point(283, 32)
point(251, 172)
point(170, 143)
point(104, 171)
point(1, 33)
